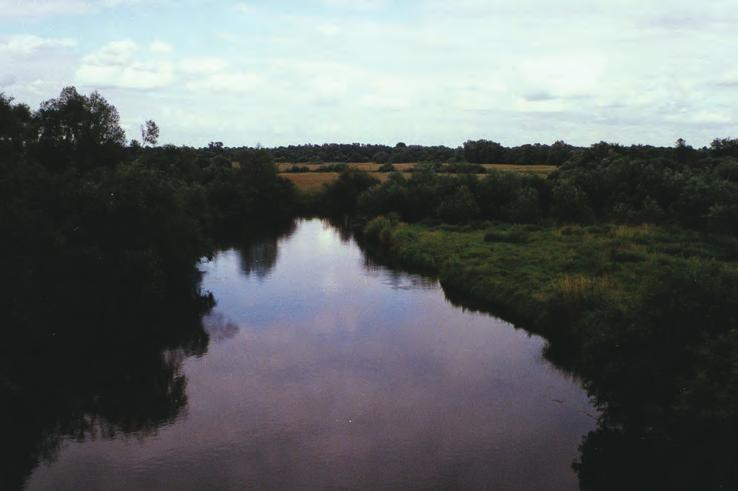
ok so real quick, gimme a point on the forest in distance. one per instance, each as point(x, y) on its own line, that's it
point(625, 258)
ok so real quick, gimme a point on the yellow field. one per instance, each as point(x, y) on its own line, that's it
point(365, 166)
point(541, 169)
point(373, 166)
point(310, 181)
point(314, 181)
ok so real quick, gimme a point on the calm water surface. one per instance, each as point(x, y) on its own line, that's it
point(324, 371)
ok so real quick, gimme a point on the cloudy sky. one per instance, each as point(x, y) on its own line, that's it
point(428, 72)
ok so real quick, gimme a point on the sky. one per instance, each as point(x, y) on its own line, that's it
point(384, 71)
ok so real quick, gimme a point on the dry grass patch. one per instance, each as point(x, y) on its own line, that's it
point(582, 286)
point(311, 181)
point(314, 181)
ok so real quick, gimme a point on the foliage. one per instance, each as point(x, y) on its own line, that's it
point(459, 207)
point(340, 196)
point(78, 131)
point(89, 222)
point(149, 133)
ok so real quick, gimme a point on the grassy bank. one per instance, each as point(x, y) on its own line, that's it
point(519, 269)
point(598, 287)
point(645, 316)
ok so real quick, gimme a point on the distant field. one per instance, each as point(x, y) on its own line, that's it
point(311, 181)
point(373, 166)
point(314, 181)
point(540, 169)
point(365, 166)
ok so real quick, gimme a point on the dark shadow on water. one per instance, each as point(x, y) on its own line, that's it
point(86, 361)
point(121, 388)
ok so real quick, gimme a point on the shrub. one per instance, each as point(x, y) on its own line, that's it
point(570, 204)
point(458, 208)
point(525, 208)
point(342, 195)
point(379, 230)
point(512, 236)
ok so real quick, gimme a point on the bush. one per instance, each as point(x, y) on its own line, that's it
point(298, 169)
point(458, 208)
point(525, 208)
point(332, 168)
point(379, 230)
point(570, 204)
point(342, 195)
point(463, 168)
point(511, 236)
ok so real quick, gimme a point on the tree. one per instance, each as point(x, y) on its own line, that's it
point(16, 128)
point(483, 152)
point(215, 147)
point(79, 131)
point(684, 152)
point(570, 203)
point(459, 207)
point(149, 133)
point(722, 147)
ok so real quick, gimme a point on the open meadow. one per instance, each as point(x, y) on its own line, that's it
point(314, 179)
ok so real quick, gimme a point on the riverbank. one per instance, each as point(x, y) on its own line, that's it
point(520, 269)
point(625, 301)
point(645, 316)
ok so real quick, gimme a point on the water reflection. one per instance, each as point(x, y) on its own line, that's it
point(259, 253)
point(317, 369)
point(397, 279)
point(118, 391)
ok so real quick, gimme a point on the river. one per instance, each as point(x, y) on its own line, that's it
point(324, 370)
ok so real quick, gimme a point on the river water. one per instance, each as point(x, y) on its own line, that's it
point(326, 371)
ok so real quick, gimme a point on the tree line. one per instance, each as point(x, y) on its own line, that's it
point(596, 184)
point(482, 152)
point(101, 231)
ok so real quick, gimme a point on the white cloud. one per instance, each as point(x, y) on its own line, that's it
point(35, 8)
point(44, 8)
point(244, 8)
point(161, 47)
point(365, 5)
point(388, 70)
point(125, 64)
point(329, 29)
point(7, 80)
point(729, 79)
point(562, 75)
point(137, 76)
point(29, 44)
point(115, 53)
point(226, 82)
point(201, 66)
point(117, 65)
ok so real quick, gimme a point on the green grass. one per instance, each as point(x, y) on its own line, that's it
point(518, 269)
point(646, 316)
